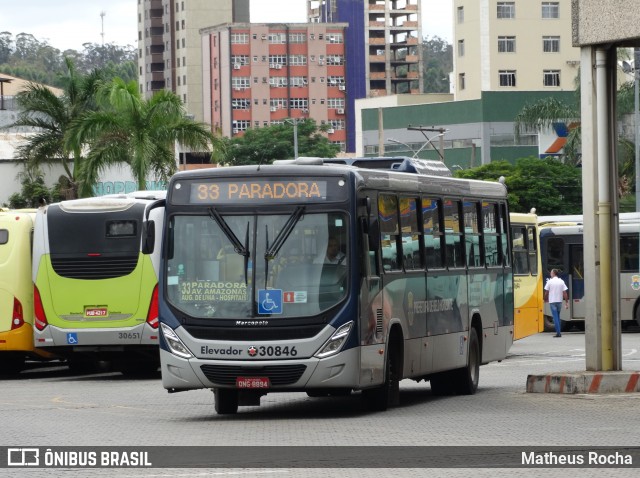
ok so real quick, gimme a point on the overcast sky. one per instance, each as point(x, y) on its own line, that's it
point(70, 23)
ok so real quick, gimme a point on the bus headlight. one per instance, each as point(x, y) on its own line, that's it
point(175, 344)
point(335, 342)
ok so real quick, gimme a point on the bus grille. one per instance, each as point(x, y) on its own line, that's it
point(277, 374)
point(94, 268)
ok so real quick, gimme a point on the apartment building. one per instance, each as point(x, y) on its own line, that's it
point(169, 46)
point(515, 45)
point(264, 74)
point(384, 47)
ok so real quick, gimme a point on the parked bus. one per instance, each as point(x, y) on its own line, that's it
point(95, 281)
point(527, 276)
point(16, 291)
point(561, 247)
point(249, 304)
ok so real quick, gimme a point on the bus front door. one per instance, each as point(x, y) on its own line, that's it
point(576, 282)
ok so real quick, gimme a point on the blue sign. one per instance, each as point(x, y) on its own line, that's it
point(270, 301)
point(72, 338)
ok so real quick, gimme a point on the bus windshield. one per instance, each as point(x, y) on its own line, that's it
point(243, 266)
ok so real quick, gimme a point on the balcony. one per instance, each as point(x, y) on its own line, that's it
point(377, 41)
point(376, 24)
point(412, 58)
point(381, 75)
point(376, 58)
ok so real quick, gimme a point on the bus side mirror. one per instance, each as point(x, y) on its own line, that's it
point(148, 237)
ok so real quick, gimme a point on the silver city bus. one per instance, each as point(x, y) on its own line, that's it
point(330, 278)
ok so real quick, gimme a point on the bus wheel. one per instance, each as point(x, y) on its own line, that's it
point(226, 400)
point(467, 378)
point(442, 384)
point(140, 369)
point(12, 365)
point(83, 364)
point(548, 324)
point(388, 394)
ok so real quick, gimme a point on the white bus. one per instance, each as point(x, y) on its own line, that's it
point(562, 248)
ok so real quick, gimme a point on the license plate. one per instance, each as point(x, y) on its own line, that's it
point(96, 312)
point(252, 382)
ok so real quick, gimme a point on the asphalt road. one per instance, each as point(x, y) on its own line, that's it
point(49, 407)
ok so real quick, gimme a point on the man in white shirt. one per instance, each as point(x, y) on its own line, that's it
point(333, 255)
point(555, 291)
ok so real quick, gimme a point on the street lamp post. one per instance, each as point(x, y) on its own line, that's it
point(294, 122)
point(636, 76)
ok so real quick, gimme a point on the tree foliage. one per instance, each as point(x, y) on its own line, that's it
point(437, 57)
point(51, 116)
point(126, 128)
point(548, 185)
point(26, 57)
point(263, 145)
point(34, 191)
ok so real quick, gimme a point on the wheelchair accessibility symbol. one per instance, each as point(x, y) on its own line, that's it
point(270, 301)
point(72, 338)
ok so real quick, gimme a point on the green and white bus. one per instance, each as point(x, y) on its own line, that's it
point(251, 303)
point(95, 264)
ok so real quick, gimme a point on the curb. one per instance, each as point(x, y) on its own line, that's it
point(585, 382)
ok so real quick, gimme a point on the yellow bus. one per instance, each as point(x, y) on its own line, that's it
point(16, 291)
point(527, 277)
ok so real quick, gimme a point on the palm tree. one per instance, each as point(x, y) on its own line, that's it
point(541, 115)
point(51, 117)
point(141, 133)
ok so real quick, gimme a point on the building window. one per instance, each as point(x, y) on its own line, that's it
point(278, 38)
point(551, 77)
point(239, 38)
point(461, 82)
point(335, 38)
point(506, 44)
point(460, 15)
point(550, 9)
point(460, 47)
point(551, 44)
point(297, 38)
point(335, 59)
point(507, 78)
point(297, 60)
point(335, 103)
point(240, 104)
point(506, 10)
point(240, 82)
point(299, 103)
point(241, 125)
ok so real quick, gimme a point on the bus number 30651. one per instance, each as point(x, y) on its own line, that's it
point(276, 351)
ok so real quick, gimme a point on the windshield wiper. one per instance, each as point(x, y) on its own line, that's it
point(273, 249)
point(238, 247)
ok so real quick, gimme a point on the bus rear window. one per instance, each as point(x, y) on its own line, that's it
point(121, 228)
point(4, 236)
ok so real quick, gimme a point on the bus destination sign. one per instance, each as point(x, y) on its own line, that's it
point(250, 191)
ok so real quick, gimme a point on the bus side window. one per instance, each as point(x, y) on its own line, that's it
point(519, 240)
point(389, 231)
point(433, 233)
point(555, 254)
point(453, 234)
point(533, 250)
point(410, 233)
point(490, 233)
point(472, 234)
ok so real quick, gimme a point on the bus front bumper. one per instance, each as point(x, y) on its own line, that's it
point(338, 371)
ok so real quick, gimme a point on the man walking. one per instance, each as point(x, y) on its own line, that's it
point(555, 290)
